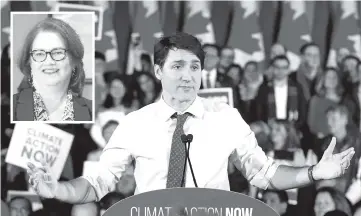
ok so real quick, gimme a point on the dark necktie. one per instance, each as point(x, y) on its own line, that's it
point(177, 155)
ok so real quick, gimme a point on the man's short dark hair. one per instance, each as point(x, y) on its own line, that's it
point(251, 63)
point(146, 57)
point(280, 57)
point(282, 195)
point(340, 108)
point(179, 40)
point(215, 46)
point(307, 45)
point(353, 57)
point(99, 55)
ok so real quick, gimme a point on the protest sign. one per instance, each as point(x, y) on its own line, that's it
point(224, 95)
point(31, 196)
point(37, 142)
point(98, 11)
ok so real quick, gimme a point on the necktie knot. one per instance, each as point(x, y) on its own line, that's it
point(181, 118)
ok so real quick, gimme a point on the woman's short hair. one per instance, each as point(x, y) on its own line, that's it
point(74, 46)
point(293, 138)
point(341, 202)
point(320, 86)
point(179, 40)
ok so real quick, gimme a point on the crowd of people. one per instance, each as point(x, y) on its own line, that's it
point(293, 114)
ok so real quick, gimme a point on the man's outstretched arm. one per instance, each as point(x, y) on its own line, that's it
point(75, 191)
point(330, 166)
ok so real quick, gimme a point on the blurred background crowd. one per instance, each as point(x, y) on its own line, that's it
point(294, 68)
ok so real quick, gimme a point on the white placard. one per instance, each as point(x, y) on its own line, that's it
point(224, 95)
point(36, 142)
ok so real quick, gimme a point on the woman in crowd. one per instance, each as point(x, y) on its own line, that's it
point(356, 98)
point(147, 88)
point(248, 90)
point(329, 92)
point(235, 72)
point(286, 145)
point(117, 104)
point(56, 80)
point(349, 72)
point(328, 199)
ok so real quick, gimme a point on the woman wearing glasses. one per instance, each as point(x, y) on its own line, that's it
point(51, 59)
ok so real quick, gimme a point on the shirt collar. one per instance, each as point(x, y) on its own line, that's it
point(165, 111)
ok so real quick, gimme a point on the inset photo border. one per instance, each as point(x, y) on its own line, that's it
point(53, 67)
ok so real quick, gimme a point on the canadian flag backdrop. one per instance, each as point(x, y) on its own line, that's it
point(243, 25)
point(198, 21)
point(347, 30)
point(246, 37)
point(147, 23)
point(294, 29)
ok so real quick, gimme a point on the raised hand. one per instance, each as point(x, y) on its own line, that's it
point(42, 181)
point(333, 165)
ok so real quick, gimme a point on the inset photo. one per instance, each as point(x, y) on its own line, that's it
point(52, 72)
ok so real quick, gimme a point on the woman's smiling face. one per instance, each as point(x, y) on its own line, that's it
point(50, 72)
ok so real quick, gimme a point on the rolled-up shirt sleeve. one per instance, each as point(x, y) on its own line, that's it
point(248, 156)
point(114, 161)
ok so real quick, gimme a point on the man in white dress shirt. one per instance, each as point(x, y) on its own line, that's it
point(150, 135)
point(209, 73)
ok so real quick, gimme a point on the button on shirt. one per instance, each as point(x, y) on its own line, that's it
point(146, 137)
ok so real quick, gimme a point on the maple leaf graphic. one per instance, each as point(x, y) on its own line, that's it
point(243, 29)
point(196, 24)
point(347, 26)
point(293, 30)
point(148, 27)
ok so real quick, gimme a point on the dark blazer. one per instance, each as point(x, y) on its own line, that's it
point(23, 107)
point(356, 109)
point(296, 103)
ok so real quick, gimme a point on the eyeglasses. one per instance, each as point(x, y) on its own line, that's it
point(57, 54)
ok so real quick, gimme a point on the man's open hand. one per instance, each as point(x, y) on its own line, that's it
point(41, 180)
point(333, 165)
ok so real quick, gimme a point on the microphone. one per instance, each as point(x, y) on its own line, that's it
point(184, 141)
point(188, 139)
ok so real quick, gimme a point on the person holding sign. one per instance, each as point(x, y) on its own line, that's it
point(153, 136)
point(52, 61)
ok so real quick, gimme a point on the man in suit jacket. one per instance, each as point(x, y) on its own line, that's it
point(209, 73)
point(309, 71)
point(281, 98)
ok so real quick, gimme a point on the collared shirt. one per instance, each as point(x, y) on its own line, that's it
point(212, 76)
point(146, 137)
point(281, 95)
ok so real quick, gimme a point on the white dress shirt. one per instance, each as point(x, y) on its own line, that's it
point(281, 96)
point(212, 76)
point(146, 136)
